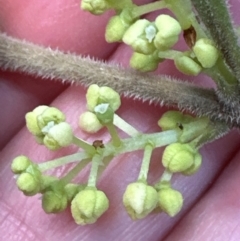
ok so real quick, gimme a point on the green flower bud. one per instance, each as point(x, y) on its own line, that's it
point(28, 184)
point(171, 120)
point(54, 202)
point(31, 120)
point(168, 32)
point(140, 36)
point(51, 114)
point(58, 136)
point(96, 7)
point(195, 167)
point(89, 122)
point(92, 96)
point(179, 157)
point(144, 63)
point(20, 164)
point(206, 53)
point(187, 65)
point(41, 119)
point(97, 95)
point(116, 29)
point(170, 201)
point(88, 205)
point(104, 113)
point(139, 200)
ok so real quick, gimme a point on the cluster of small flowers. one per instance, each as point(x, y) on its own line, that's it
point(152, 41)
point(48, 126)
point(181, 133)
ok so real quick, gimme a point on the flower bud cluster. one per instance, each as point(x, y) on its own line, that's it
point(56, 195)
point(29, 178)
point(141, 199)
point(102, 102)
point(204, 54)
point(147, 38)
point(48, 126)
point(88, 203)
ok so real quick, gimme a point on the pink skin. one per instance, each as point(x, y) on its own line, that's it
point(212, 196)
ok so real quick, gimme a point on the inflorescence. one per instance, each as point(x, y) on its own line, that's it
point(182, 134)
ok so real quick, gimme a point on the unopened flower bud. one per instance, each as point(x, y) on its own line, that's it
point(206, 53)
point(179, 157)
point(187, 65)
point(58, 136)
point(168, 32)
point(140, 36)
point(88, 205)
point(97, 95)
point(28, 184)
point(54, 202)
point(170, 201)
point(41, 119)
point(116, 29)
point(195, 167)
point(89, 122)
point(139, 200)
point(144, 63)
point(20, 164)
point(31, 120)
point(96, 7)
point(51, 114)
point(171, 120)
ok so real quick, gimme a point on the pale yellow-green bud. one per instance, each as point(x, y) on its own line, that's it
point(51, 114)
point(28, 184)
point(115, 29)
point(171, 120)
point(89, 122)
point(104, 113)
point(92, 96)
point(140, 36)
point(96, 7)
point(31, 120)
point(58, 136)
point(170, 201)
point(206, 53)
point(178, 157)
point(54, 202)
point(195, 167)
point(144, 63)
point(88, 205)
point(139, 200)
point(20, 164)
point(97, 95)
point(168, 32)
point(187, 65)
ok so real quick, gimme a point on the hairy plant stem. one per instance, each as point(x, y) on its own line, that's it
point(18, 55)
point(215, 16)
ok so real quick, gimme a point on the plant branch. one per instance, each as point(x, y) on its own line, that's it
point(215, 16)
point(18, 55)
